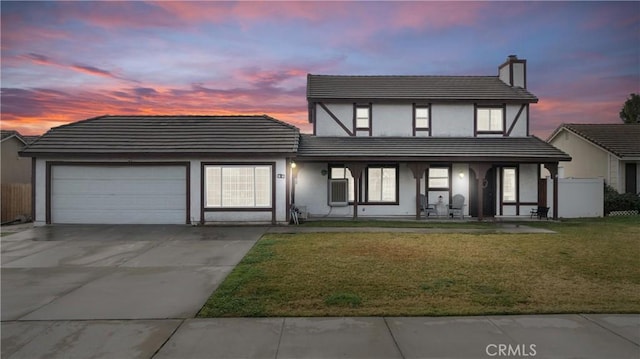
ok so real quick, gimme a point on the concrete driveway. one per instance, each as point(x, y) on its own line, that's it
point(101, 289)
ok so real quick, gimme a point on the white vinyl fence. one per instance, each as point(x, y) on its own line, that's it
point(577, 197)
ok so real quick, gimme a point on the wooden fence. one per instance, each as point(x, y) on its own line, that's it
point(16, 201)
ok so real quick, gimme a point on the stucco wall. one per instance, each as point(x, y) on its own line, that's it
point(447, 120)
point(392, 120)
point(15, 169)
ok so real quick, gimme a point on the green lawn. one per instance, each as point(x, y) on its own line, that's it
point(588, 266)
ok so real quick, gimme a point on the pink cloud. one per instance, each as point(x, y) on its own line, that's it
point(81, 68)
point(33, 111)
point(435, 15)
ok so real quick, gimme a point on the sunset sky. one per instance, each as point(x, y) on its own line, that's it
point(68, 61)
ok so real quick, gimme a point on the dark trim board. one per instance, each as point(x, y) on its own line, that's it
point(33, 189)
point(272, 209)
point(50, 164)
point(513, 124)
point(337, 120)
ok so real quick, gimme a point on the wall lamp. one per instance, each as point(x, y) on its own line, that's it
point(461, 174)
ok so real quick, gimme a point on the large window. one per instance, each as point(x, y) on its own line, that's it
point(381, 184)
point(421, 114)
point(490, 119)
point(363, 117)
point(342, 173)
point(238, 186)
point(439, 178)
point(508, 184)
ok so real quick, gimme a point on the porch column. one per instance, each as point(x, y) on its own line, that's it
point(553, 169)
point(481, 173)
point(356, 172)
point(418, 169)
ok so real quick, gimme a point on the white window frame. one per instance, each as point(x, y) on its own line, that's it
point(431, 176)
point(386, 194)
point(253, 194)
point(510, 186)
point(362, 122)
point(495, 119)
point(421, 122)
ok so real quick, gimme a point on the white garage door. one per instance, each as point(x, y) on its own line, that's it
point(118, 194)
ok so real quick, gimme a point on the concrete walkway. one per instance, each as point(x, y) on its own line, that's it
point(500, 228)
point(133, 292)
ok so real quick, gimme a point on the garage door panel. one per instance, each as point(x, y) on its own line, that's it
point(117, 217)
point(132, 202)
point(118, 187)
point(118, 173)
point(118, 194)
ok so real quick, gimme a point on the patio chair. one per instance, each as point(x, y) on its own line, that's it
point(426, 207)
point(540, 212)
point(298, 214)
point(457, 206)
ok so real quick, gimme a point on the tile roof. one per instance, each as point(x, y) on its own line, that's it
point(326, 87)
point(623, 140)
point(5, 134)
point(169, 135)
point(509, 149)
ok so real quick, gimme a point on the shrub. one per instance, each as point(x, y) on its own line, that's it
point(614, 201)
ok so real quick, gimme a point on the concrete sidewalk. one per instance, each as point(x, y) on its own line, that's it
point(500, 228)
point(543, 336)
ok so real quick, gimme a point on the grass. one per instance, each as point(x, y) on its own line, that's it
point(588, 266)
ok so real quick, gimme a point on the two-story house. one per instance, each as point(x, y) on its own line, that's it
point(379, 144)
point(395, 138)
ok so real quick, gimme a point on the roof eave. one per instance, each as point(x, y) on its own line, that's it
point(464, 159)
point(428, 99)
point(151, 155)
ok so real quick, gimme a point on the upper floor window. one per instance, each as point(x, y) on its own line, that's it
point(363, 117)
point(421, 115)
point(490, 119)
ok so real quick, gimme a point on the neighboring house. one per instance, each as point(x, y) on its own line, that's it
point(15, 176)
point(15, 169)
point(164, 169)
point(395, 138)
point(611, 151)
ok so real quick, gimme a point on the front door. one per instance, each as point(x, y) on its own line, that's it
point(489, 194)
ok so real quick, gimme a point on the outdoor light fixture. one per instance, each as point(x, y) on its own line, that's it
point(461, 174)
point(293, 165)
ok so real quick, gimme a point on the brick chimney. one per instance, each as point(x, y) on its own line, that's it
point(514, 72)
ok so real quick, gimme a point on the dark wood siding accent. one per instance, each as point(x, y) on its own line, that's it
point(33, 189)
point(336, 119)
point(515, 120)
